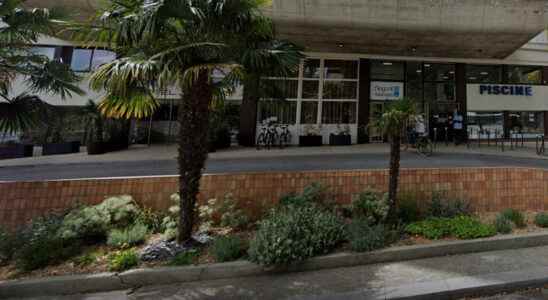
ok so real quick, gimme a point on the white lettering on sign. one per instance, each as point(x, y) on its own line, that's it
point(383, 90)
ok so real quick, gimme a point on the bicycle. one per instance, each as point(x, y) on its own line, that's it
point(424, 146)
point(267, 136)
point(284, 137)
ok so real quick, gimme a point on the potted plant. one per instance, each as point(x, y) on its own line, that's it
point(93, 136)
point(54, 137)
point(342, 138)
point(312, 137)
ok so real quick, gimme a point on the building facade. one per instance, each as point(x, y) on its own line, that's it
point(486, 59)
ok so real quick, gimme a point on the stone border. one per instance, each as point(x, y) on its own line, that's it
point(103, 282)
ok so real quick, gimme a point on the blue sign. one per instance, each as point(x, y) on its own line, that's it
point(507, 90)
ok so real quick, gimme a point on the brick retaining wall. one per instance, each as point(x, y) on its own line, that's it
point(488, 189)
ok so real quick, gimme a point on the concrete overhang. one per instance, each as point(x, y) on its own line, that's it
point(428, 28)
point(490, 29)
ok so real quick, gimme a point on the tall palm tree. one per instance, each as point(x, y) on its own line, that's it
point(180, 43)
point(19, 29)
point(392, 123)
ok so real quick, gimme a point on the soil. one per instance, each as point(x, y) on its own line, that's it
point(101, 252)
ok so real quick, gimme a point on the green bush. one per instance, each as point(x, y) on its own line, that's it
point(93, 222)
point(315, 193)
point(364, 237)
point(370, 205)
point(408, 211)
point(40, 244)
point(447, 208)
point(503, 225)
point(7, 246)
point(185, 258)
point(123, 260)
point(226, 248)
point(293, 234)
point(85, 259)
point(128, 237)
point(515, 216)
point(462, 227)
point(153, 220)
point(541, 219)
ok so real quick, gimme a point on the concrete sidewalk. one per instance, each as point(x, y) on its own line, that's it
point(433, 278)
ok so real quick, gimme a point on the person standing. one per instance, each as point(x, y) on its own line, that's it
point(458, 120)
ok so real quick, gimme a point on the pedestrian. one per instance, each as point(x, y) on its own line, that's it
point(458, 120)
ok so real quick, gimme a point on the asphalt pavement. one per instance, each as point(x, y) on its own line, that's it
point(325, 161)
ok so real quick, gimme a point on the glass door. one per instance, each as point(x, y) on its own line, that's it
point(376, 111)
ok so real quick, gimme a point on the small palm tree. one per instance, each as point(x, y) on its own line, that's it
point(392, 123)
point(19, 29)
point(180, 43)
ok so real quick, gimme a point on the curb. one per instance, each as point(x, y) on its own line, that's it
point(104, 282)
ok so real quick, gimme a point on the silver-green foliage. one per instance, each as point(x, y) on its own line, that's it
point(127, 237)
point(295, 233)
point(365, 237)
point(96, 221)
point(371, 206)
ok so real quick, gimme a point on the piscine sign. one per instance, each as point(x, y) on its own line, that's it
point(507, 90)
point(383, 90)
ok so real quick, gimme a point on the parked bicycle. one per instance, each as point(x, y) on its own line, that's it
point(267, 136)
point(284, 136)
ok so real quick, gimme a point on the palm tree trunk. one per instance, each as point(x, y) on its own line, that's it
point(248, 111)
point(193, 118)
point(394, 176)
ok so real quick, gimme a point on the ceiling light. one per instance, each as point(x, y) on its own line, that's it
point(472, 78)
point(451, 72)
point(340, 45)
point(387, 63)
point(484, 73)
point(427, 65)
point(419, 71)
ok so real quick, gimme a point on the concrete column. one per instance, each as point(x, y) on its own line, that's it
point(546, 123)
point(460, 90)
point(363, 101)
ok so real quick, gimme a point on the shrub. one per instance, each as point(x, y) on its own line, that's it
point(85, 260)
point(431, 228)
point(41, 245)
point(128, 237)
point(541, 219)
point(226, 248)
point(294, 234)
point(408, 211)
point(462, 227)
point(93, 222)
point(371, 206)
point(447, 208)
point(123, 260)
point(515, 216)
point(315, 193)
point(185, 258)
point(364, 237)
point(7, 245)
point(503, 225)
point(153, 220)
point(171, 221)
point(224, 213)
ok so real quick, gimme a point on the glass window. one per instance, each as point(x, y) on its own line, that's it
point(483, 74)
point(311, 68)
point(524, 74)
point(439, 92)
point(527, 122)
point(338, 112)
point(387, 70)
point(81, 60)
point(439, 72)
point(48, 52)
point(101, 57)
point(309, 112)
point(284, 111)
point(281, 88)
point(311, 89)
point(340, 90)
point(414, 81)
point(483, 122)
point(341, 69)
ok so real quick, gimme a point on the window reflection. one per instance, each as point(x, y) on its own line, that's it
point(483, 74)
point(81, 60)
point(101, 57)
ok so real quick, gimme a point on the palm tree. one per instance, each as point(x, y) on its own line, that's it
point(392, 123)
point(19, 29)
point(180, 43)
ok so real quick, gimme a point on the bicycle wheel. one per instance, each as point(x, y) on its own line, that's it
point(425, 148)
point(260, 141)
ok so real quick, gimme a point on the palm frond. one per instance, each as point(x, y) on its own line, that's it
point(138, 106)
point(20, 113)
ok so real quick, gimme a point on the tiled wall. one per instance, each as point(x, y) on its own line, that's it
point(488, 189)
